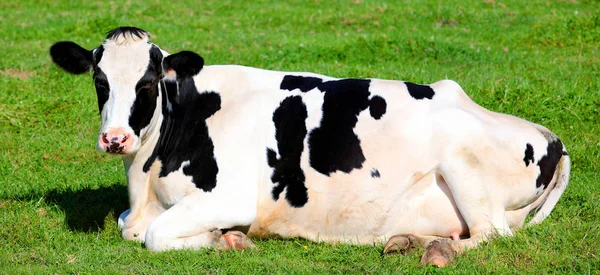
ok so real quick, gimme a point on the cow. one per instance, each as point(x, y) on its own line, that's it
point(216, 154)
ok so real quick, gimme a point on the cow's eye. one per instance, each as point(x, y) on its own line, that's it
point(101, 85)
point(144, 87)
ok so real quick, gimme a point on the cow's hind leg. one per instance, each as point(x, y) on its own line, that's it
point(235, 240)
point(478, 202)
point(196, 222)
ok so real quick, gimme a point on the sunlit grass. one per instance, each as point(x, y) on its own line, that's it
point(59, 198)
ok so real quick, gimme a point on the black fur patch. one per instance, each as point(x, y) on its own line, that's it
point(146, 93)
point(185, 64)
point(528, 155)
point(184, 133)
point(100, 80)
point(71, 57)
point(126, 31)
point(333, 145)
point(97, 54)
point(102, 87)
point(375, 173)
point(377, 107)
point(290, 127)
point(304, 83)
point(548, 162)
point(418, 91)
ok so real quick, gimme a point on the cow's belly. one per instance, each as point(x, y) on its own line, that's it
point(362, 217)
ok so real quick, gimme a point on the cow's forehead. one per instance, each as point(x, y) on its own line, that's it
point(125, 63)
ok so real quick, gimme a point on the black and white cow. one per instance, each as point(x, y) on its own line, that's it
point(210, 148)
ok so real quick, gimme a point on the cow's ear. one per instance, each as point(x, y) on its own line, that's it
point(72, 57)
point(182, 64)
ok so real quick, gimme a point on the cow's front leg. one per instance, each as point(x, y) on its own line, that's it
point(144, 205)
point(196, 222)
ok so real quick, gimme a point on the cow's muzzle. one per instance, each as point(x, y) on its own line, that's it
point(116, 141)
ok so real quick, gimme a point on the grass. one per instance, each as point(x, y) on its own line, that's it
point(59, 198)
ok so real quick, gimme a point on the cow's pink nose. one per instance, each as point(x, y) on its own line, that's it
point(116, 141)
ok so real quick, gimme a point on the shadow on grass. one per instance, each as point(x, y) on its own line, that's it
point(86, 210)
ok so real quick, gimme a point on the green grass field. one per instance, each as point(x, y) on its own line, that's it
point(59, 197)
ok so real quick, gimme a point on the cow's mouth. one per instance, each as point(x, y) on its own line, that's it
point(115, 148)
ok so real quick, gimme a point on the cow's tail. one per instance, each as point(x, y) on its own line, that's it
point(548, 200)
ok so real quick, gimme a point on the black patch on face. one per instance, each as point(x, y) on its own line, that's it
point(100, 80)
point(304, 83)
point(418, 91)
point(290, 131)
point(377, 107)
point(71, 57)
point(146, 93)
point(564, 153)
point(548, 163)
point(98, 53)
point(126, 31)
point(102, 87)
point(528, 155)
point(184, 133)
point(375, 173)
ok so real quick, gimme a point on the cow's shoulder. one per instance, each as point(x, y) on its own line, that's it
point(184, 143)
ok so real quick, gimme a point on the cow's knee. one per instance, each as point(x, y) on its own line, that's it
point(157, 238)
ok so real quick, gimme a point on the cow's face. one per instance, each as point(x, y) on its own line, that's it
point(127, 70)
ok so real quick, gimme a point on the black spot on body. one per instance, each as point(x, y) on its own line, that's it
point(377, 107)
point(304, 83)
point(548, 162)
point(418, 91)
point(146, 93)
point(333, 145)
point(290, 131)
point(184, 133)
point(375, 173)
point(528, 154)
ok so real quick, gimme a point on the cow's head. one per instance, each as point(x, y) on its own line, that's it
point(127, 70)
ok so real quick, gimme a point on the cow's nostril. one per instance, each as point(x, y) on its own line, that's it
point(104, 138)
point(125, 138)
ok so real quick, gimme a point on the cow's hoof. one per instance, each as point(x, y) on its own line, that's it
point(236, 240)
point(122, 217)
point(398, 243)
point(438, 253)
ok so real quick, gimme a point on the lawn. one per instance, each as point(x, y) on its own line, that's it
point(59, 197)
